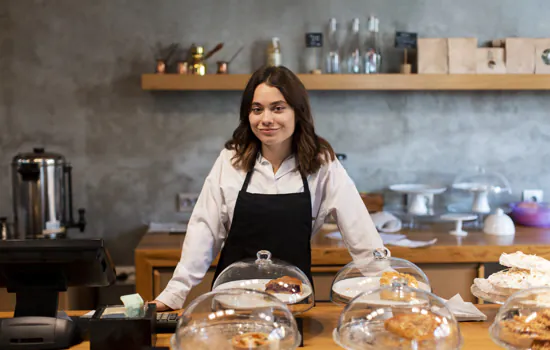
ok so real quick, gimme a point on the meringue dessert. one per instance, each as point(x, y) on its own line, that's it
point(524, 271)
point(525, 262)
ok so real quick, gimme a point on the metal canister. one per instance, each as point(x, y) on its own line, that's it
point(198, 66)
point(161, 67)
point(183, 67)
point(4, 229)
point(222, 67)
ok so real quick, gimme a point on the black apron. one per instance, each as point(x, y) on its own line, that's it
point(279, 223)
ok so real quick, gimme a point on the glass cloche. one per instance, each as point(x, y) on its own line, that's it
point(419, 320)
point(236, 319)
point(481, 183)
point(279, 278)
point(523, 322)
point(379, 271)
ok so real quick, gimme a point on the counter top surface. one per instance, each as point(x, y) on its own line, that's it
point(477, 247)
point(322, 319)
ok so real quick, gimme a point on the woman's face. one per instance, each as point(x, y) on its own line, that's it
point(271, 118)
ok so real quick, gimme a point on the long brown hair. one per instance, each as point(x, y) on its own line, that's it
point(310, 150)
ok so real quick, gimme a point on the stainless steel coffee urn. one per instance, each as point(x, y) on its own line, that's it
point(42, 196)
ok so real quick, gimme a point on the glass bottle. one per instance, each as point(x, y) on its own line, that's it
point(332, 59)
point(373, 58)
point(274, 53)
point(313, 53)
point(353, 58)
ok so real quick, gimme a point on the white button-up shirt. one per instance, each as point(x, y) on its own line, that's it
point(332, 192)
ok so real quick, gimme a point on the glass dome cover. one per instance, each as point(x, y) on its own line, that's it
point(425, 323)
point(279, 278)
point(523, 322)
point(480, 180)
point(379, 271)
point(210, 322)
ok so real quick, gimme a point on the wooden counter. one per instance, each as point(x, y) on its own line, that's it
point(322, 319)
point(451, 264)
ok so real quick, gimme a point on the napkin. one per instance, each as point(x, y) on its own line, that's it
point(412, 244)
point(464, 311)
point(387, 238)
point(386, 222)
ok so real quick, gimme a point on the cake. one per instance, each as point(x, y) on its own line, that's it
point(395, 294)
point(284, 285)
point(515, 279)
point(524, 271)
point(251, 340)
point(415, 326)
point(525, 262)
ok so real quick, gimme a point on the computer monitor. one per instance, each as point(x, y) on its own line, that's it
point(37, 270)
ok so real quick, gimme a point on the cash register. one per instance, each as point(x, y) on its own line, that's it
point(36, 271)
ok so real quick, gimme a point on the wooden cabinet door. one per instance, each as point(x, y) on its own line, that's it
point(161, 277)
point(450, 279)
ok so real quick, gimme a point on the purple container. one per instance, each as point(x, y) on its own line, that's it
point(531, 214)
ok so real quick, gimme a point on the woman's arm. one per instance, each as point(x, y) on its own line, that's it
point(342, 200)
point(203, 240)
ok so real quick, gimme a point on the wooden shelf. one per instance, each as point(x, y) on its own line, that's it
point(423, 82)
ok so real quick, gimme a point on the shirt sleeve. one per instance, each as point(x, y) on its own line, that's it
point(203, 240)
point(342, 200)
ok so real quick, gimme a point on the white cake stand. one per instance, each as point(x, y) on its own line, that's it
point(417, 204)
point(480, 202)
point(458, 218)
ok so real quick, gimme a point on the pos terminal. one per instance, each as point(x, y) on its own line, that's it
point(36, 271)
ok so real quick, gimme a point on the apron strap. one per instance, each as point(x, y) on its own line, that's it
point(306, 186)
point(247, 181)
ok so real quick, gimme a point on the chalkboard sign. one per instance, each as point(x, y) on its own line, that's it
point(405, 40)
point(314, 39)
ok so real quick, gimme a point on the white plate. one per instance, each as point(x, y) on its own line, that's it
point(258, 284)
point(472, 187)
point(458, 217)
point(352, 287)
point(417, 189)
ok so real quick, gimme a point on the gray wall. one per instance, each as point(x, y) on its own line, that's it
point(70, 81)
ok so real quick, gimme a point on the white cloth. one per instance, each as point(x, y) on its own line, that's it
point(332, 192)
point(386, 222)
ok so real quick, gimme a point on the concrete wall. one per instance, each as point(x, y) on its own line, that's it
point(70, 81)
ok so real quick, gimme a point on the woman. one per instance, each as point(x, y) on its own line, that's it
point(272, 179)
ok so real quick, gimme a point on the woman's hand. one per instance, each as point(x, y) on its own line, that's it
point(160, 305)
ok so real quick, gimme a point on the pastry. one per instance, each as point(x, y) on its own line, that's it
point(515, 279)
point(252, 340)
point(524, 331)
point(540, 345)
point(485, 286)
point(525, 262)
point(413, 326)
point(284, 285)
point(397, 294)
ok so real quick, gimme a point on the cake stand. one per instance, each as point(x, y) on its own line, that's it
point(418, 196)
point(481, 183)
point(458, 219)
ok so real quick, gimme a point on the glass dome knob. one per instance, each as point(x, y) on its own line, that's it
point(263, 257)
point(381, 253)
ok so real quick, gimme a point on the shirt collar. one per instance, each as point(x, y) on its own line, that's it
point(288, 165)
